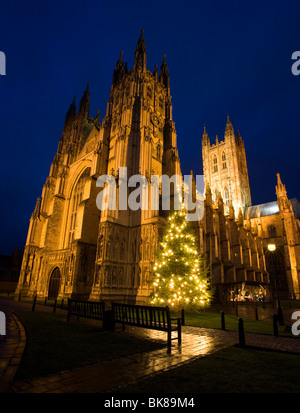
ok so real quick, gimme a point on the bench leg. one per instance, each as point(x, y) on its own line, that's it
point(179, 331)
point(169, 338)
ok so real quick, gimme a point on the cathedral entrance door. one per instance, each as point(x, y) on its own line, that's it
point(54, 284)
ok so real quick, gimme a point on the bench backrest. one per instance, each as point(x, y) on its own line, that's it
point(139, 315)
point(88, 309)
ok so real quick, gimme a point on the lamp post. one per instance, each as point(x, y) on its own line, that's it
point(272, 249)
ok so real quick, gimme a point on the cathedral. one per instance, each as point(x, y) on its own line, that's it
point(75, 249)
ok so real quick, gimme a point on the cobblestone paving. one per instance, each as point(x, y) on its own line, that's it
point(11, 352)
point(107, 376)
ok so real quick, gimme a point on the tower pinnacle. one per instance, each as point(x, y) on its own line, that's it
point(164, 77)
point(84, 105)
point(71, 112)
point(120, 69)
point(280, 188)
point(140, 53)
point(229, 128)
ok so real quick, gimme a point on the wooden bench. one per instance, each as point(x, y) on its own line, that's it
point(155, 318)
point(87, 309)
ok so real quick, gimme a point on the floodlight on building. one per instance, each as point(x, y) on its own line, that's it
point(271, 247)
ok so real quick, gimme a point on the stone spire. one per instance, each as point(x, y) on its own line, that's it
point(283, 202)
point(140, 54)
point(84, 105)
point(280, 188)
point(229, 131)
point(155, 72)
point(205, 138)
point(120, 69)
point(71, 112)
point(164, 77)
point(240, 220)
point(238, 138)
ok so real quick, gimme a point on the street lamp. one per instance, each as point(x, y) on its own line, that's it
point(272, 248)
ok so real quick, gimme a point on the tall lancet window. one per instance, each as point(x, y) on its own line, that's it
point(76, 200)
point(215, 164)
point(224, 165)
point(227, 197)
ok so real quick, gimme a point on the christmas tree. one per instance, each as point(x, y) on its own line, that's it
point(180, 277)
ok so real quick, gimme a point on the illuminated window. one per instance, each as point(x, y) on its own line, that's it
point(76, 200)
point(215, 164)
point(227, 197)
point(224, 165)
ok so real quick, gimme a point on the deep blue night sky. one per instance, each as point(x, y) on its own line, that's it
point(224, 58)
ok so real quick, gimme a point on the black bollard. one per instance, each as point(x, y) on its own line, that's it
point(275, 326)
point(33, 303)
point(20, 295)
point(54, 307)
point(45, 303)
point(222, 320)
point(241, 333)
point(62, 303)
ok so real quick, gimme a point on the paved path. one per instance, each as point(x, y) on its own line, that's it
point(109, 376)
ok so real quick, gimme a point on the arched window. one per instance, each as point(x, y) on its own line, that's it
point(226, 197)
point(215, 164)
point(76, 200)
point(158, 152)
point(271, 231)
point(224, 165)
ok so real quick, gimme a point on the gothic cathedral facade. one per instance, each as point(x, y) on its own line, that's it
point(74, 249)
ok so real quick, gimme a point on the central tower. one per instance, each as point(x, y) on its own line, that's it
point(140, 135)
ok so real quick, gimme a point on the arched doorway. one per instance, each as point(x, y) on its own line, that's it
point(276, 268)
point(54, 284)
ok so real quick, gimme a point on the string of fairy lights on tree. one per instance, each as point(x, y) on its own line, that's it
point(180, 277)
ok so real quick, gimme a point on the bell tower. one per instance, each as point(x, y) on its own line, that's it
point(225, 169)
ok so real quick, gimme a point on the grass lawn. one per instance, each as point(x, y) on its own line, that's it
point(53, 344)
point(231, 370)
point(207, 319)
